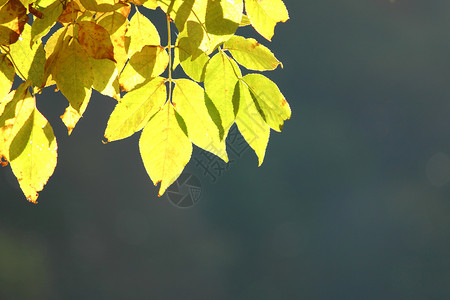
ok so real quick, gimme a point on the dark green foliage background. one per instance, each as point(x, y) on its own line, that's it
point(342, 207)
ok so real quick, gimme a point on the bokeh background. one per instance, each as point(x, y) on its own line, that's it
point(352, 201)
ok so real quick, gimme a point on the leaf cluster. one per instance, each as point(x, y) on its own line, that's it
point(99, 44)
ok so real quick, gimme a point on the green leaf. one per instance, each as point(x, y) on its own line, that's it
point(33, 155)
point(251, 124)
point(41, 27)
point(165, 148)
point(29, 58)
point(270, 102)
point(7, 74)
point(189, 101)
point(74, 77)
point(221, 77)
point(135, 109)
point(15, 109)
point(150, 62)
point(251, 54)
point(265, 14)
point(141, 32)
point(192, 60)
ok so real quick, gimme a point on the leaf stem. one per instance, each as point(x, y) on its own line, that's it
point(169, 47)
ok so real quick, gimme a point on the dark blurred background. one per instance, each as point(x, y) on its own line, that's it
point(351, 202)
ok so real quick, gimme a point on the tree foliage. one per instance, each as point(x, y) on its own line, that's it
point(101, 45)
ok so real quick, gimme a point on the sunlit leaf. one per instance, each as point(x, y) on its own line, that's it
point(116, 23)
point(221, 77)
point(141, 32)
point(251, 54)
point(33, 154)
point(70, 13)
point(270, 102)
point(41, 27)
point(189, 101)
point(165, 148)
point(13, 17)
point(151, 4)
point(7, 73)
point(251, 124)
point(29, 58)
point(102, 5)
point(106, 77)
point(150, 62)
point(74, 77)
point(15, 109)
point(53, 49)
point(192, 60)
point(265, 14)
point(95, 40)
point(135, 109)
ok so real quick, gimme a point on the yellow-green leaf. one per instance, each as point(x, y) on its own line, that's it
point(116, 23)
point(15, 109)
point(13, 17)
point(135, 109)
point(106, 79)
point(29, 58)
point(141, 32)
point(270, 102)
point(192, 60)
point(53, 49)
point(251, 124)
point(7, 73)
point(150, 62)
point(102, 5)
point(265, 14)
point(151, 4)
point(189, 101)
point(165, 148)
point(220, 80)
point(74, 77)
point(33, 154)
point(41, 27)
point(95, 40)
point(251, 54)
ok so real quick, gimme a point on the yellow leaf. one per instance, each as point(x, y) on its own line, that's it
point(251, 54)
point(102, 5)
point(95, 40)
point(165, 148)
point(272, 105)
point(15, 109)
point(53, 49)
point(150, 62)
point(70, 13)
point(251, 124)
point(151, 4)
point(106, 79)
point(7, 74)
point(189, 101)
point(33, 154)
point(74, 77)
point(13, 17)
point(29, 58)
point(135, 109)
point(265, 14)
point(116, 23)
point(221, 77)
point(141, 32)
